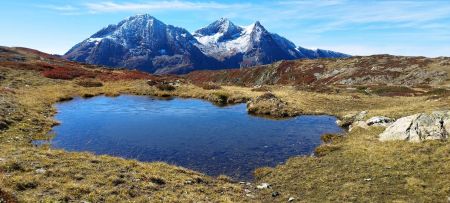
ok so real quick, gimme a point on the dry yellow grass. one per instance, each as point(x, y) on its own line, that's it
point(362, 169)
point(397, 170)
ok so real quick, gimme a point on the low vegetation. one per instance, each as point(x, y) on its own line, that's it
point(210, 86)
point(361, 169)
point(354, 167)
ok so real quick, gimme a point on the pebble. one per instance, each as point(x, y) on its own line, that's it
point(250, 195)
point(41, 171)
point(291, 199)
point(2, 159)
point(367, 179)
point(247, 191)
point(263, 186)
point(275, 194)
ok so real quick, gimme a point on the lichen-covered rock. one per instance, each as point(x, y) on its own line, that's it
point(419, 127)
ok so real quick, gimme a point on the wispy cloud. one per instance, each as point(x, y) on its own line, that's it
point(160, 5)
point(59, 7)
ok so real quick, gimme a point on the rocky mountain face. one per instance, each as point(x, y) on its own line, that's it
point(145, 43)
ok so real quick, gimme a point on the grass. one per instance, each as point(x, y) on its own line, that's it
point(361, 169)
point(356, 167)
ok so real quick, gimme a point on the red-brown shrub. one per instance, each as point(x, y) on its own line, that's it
point(65, 73)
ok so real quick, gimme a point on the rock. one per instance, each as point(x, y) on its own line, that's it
point(291, 199)
point(250, 195)
point(275, 194)
point(361, 124)
point(367, 179)
point(419, 127)
point(360, 116)
point(247, 191)
point(41, 171)
point(269, 104)
point(379, 121)
point(3, 125)
point(263, 186)
point(349, 119)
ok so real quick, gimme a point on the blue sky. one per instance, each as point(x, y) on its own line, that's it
point(354, 27)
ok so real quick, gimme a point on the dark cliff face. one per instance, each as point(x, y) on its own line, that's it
point(142, 42)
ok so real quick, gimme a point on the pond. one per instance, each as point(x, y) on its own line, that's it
point(186, 132)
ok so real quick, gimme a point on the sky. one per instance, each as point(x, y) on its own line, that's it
point(401, 27)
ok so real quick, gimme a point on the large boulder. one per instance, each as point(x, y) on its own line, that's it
point(419, 127)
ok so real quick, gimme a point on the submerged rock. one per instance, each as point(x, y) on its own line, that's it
point(419, 127)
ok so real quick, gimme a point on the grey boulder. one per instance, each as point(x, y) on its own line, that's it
point(419, 127)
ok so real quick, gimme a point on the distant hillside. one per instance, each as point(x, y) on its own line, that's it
point(361, 70)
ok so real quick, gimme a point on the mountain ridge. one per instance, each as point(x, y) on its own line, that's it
point(145, 43)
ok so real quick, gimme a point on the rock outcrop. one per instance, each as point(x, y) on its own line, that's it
point(419, 127)
point(270, 105)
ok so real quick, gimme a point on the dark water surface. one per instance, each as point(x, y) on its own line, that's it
point(187, 132)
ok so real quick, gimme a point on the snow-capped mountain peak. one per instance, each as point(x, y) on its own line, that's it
point(223, 25)
point(145, 43)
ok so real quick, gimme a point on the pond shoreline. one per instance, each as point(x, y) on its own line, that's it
point(192, 104)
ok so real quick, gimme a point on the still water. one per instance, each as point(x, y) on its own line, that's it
point(187, 132)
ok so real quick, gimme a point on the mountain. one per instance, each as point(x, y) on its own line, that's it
point(142, 42)
point(237, 46)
